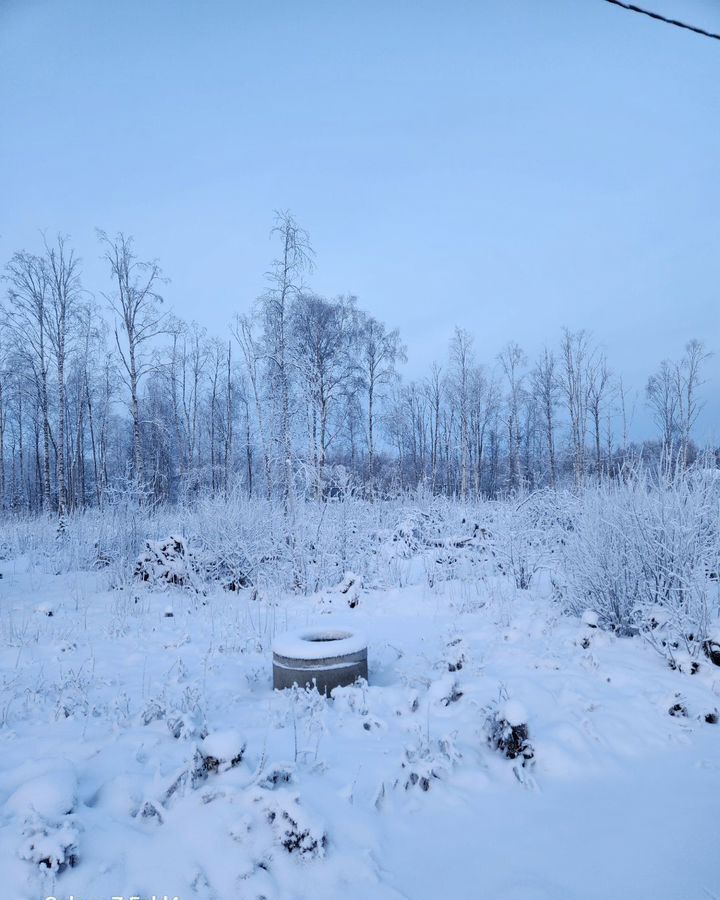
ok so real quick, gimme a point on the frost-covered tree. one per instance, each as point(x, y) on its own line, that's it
point(135, 303)
point(285, 285)
point(379, 352)
point(575, 354)
point(27, 327)
point(546, 389)
point(62, 312)
point(324, 356)
point(513, 360)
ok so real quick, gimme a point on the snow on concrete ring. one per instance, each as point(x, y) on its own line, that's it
point(328, 656)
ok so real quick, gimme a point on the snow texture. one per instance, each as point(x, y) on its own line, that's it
point(143, 754)
point(514, 713)
point(319, 643)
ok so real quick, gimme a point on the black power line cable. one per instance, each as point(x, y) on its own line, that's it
point(654, 15)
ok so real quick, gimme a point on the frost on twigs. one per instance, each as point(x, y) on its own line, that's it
point(426, 761)
point(638, 553)
point(455, 654)
point(186, 719)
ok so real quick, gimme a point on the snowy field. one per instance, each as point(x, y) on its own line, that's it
point(386, 790)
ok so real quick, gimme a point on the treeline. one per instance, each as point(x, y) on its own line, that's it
point(107, 393)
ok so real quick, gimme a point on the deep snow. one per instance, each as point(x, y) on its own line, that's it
point(103, 750)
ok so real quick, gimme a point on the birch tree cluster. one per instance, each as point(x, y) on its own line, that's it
point(104, 392)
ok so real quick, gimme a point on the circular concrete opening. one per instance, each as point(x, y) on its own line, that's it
point(324, 638)
point(327, 657)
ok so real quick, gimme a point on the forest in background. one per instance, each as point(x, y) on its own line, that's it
point(105, 393)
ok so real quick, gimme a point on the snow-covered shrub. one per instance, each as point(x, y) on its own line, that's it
point(448, 538)
point(229, 541)
point(602, 567)
point(295, 831)
point(238, 542)
point(276, 775)
point(351, 698)
point(307, 709)
point(508, 733)
point(350, 587)
point(410, 533)
point(445, 691)
point(167, 562)
point(117, 533)
point(222, 750)
point(217, 752)
point(424, 526)
point(50, 833)
point(186, 721)
point(455, 652)
point(50, 845)
point(638, 555)
point(427, 760)
point(711, 646)
point(678, 710)
point(524, 534)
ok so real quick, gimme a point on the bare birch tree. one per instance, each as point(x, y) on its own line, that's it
point(285, 283)
point(136, 305)
point(688, 381)
point(62, 310)
point(661, 392)
point(598, 390)
point(380, 351)
point(461, 363)
point(575, 352)
point(29, 290)
point(512, 360)
point(546, 389)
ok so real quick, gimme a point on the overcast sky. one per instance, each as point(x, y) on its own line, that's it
point(510, 166)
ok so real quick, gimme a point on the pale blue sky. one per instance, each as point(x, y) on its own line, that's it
point(511, 167)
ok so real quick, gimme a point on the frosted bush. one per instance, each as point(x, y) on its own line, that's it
point(525, 532)
point(294, 830)
point(167, 562)
point(427, 760)
point(639, 553)
point(507, 731)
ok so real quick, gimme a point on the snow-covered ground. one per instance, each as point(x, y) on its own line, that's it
point(111, 707)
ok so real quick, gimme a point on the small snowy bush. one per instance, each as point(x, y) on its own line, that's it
point(167, 562)
point(508, 731)
point(50, 833)
point(427, 760)
point(220, 751)
point(294, 831)
point(50, 845)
